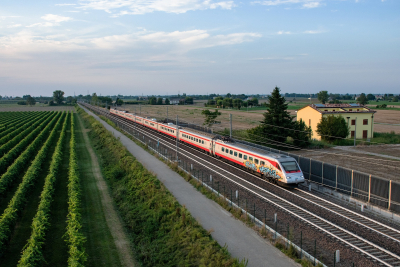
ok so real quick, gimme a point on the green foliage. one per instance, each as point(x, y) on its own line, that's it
point(163, 232)
point(30, 101)
point(332, 127)
point(10, 215)
point(159, 101)
point(21, 103)
point(153, 101)
point(323, 96)
point(302, 135)
point(386, 138)
point(362, 99)
point(370, 97)
point(119, 102)
point(277, 119)
point(32, 254)
point(75, 238)
point(58, 97)
point(210, 117)
point(381, 106)
point(167, 101)
point(17, 145)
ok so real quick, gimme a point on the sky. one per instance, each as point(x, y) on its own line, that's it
point(159, 47)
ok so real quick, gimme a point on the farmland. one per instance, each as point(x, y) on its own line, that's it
point(56, 207)
point(44, 216)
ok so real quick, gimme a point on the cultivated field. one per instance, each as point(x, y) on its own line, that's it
point(37, 107)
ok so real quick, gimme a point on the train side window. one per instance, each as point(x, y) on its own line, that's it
point(240, 155)
point(197, 140)
point(278, 167)
point(231, 152)
point(245, 157)
point(227, 151)
point(235, 154)
point(223, 149)
point(202, 142)
point(262, 163)
point(250, 158)
point(256, 161)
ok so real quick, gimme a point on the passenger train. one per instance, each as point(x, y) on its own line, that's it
point(280, 169)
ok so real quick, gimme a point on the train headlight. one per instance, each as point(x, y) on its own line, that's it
point(287, 177)
point(302, 176)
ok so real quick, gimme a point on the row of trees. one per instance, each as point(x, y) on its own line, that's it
point(227, 102)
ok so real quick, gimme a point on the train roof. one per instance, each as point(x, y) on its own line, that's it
point(261, 152)
point(199, 133)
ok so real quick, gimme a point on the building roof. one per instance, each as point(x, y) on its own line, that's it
point(341, 108)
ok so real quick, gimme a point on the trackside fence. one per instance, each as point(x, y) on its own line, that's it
point(367, 187)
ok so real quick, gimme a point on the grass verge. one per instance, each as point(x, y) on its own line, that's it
point(163, 232)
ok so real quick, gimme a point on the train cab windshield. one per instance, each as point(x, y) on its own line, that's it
point(290, 166)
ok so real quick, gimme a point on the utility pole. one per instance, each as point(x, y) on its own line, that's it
point(167, 114)
point(230, 122)
point(177, 137)
point(355, 131)
point(140, 109)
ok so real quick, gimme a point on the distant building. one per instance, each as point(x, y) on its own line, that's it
point(175, 100)
point(355, 115)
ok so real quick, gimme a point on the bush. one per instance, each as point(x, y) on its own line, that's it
point(332, 128)
point(21, 102)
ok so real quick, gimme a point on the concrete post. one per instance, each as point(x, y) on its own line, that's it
point(337, 255)
point(275, 217)
point(390, 194)
point(369, 189)
point(210, 178)
point(230, 122)
point(237, 194)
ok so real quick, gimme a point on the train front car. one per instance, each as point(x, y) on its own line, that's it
point(291, 172)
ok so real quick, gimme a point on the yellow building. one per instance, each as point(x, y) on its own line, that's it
point(359, 118)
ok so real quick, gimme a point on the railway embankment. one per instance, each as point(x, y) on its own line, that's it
point(241, 241)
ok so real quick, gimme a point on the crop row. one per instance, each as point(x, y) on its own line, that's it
point(23, 160)
point(32, 255)
point(76, 240)
point(10, 215)
point(16, 129)
point(24, 139)
point(13, 117)
point(15, 120)
point(7, 127)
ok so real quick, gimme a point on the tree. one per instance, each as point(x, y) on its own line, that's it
point(302, 135)
point(395, 99)
point(119, 101)
point(189, 100)
point(331, 127)
point(159, 101)
point(220, 103)
point(362, 99)
point(167, 102)
point(210, 117)
point(370, 97)
point(30, 101)
point(227, 102)
point(58, 96)
point(237, 103)
point(323, 96)
point(254, 101)
point(153, 101)
point(277, 119)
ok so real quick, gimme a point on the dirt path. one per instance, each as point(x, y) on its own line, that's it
point(113, 221)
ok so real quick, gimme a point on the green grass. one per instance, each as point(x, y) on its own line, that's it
point(100, 245)
point(386, 138)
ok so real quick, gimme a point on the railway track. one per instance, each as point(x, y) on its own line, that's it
point(374, 239)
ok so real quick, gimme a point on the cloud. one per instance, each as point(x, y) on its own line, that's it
point(55, 18)
point(283, 32)
point(51, 20)
point(313, 32)
point(65, 4)
point(177, 41)
point(136, 7)
point(14, 26)
point(304, 3)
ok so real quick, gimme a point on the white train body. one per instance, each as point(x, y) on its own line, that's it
point(281, 169)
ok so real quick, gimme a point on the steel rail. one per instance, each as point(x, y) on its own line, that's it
point(368, 243)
